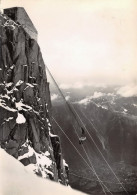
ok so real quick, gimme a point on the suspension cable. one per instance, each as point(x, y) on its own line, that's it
point(71, 143)
point(91, 167)
point(109, 182)
point(100, 152)
point(75, 115)
point(69, 107)
point(99, 180)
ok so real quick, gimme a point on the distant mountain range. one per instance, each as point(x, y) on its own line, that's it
point(111, 121)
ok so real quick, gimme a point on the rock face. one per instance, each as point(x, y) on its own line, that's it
point(19, 15)
point(25, 107)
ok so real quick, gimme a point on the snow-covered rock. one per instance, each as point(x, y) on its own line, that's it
point(25, 104)
point(15, 179)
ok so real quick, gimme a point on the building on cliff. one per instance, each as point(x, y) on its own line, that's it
point(25, 106)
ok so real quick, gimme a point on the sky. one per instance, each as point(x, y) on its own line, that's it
point(86, 42)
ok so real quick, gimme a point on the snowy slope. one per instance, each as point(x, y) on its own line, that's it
point(16, 180)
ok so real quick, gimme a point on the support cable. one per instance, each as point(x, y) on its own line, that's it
point(71, 143)
point(69, 107)
point(75, 115)
point(92, 168)
point(99, 180)
point(101, 153)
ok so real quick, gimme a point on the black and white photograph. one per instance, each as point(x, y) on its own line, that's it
point(68, 97)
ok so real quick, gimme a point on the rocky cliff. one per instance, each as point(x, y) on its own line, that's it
point(25, 107)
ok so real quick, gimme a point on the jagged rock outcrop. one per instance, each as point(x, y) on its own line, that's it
point(19, 15)
point(25, 107)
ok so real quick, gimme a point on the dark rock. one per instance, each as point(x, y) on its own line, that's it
point(32, 159)
point(25, 161)
point(23, 150)
point(25, 93)
point(29, 160)
point(12, 148)
point(20, 16)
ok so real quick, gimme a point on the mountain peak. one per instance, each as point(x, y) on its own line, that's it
point(25, 105)
point(20, 16)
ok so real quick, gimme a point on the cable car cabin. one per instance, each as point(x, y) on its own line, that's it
point(81, 140)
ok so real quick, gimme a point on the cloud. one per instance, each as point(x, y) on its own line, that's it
point(77, 85)
point(128, 90)
point(65, 86)
point(87, 100)
point(97, 94)
point(54, 97)
point(80, 85)
point(67, 97)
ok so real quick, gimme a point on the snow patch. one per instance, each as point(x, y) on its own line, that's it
point(125, 110)
point(15, 89)
point(19, 83)
point(5, 96)
point(28, 154)
point(31, 168)
point(49, 172)
point(42, 159)
point(16, 179)
point(30, 85)
point(9, 84)
point(104, 107)
point(47, 120)
point(12, 67)
point(64, 163)
point(47, 153)
point(52, 135)
point(21, 106)
point(3, 105)
point(10, 23)
point(49, 124)
point(20, 119)
point(10, 118)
